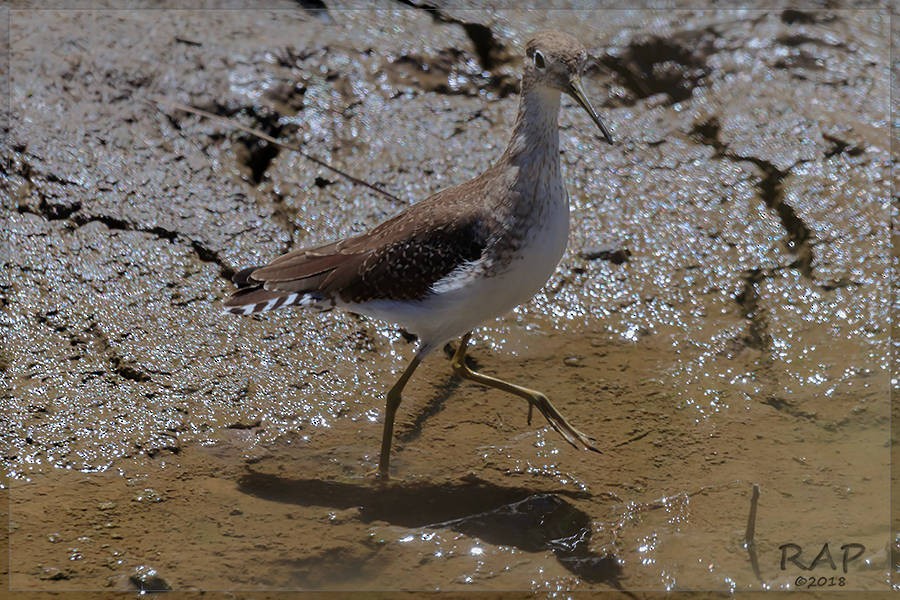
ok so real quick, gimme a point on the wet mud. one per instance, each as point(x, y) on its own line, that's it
point(720, 320)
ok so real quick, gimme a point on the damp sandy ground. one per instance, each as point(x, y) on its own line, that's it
point(719, 322)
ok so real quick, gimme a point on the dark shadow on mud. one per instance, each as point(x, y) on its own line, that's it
point(503, 516)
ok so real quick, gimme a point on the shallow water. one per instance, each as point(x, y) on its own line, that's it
point(719, 322)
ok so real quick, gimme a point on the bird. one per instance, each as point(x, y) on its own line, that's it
point(464, 255)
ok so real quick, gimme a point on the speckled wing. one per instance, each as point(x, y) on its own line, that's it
point(398, 260)
point(405, 267)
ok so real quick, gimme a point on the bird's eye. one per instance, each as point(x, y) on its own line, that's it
point(539, 60)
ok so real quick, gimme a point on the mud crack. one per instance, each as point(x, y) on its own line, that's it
point(798, 232)
point(771, 191)
point(653, 64)
point(839, 146)
point(253, 155)
point(204, 253)
point(454, 71)
point(490, 51)
point(789, 408)
point(748, 299)
point(52, 206)
point(69, 211)
point(791, 16)
point(317, 8)
point(616, 256)
point(451, 71)
point(77, 219)
point(120, 366)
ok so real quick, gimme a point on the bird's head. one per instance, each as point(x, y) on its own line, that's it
point(556, 60)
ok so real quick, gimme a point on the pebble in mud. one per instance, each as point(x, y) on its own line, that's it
point(149, 496)
point(147, 579)
point(54, 574)
point(572, 361)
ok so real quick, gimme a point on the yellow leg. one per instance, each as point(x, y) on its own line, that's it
point(535, 399)
point(390, 411)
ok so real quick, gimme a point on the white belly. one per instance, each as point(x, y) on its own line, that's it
point(466, 298)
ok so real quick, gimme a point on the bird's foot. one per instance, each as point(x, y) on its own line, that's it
point(560, 424)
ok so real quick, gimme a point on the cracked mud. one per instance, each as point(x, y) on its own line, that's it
point(719, 320)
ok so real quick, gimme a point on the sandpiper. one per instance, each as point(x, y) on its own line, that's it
point(464, 255)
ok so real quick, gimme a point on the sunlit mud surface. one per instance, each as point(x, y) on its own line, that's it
point(719, 322)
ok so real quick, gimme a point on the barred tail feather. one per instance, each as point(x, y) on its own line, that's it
point(256, 300)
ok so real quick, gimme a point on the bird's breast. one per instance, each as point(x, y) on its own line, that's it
point(531, 252)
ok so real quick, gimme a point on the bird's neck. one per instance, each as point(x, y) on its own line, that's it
point(538, 198)
point(535, 138)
